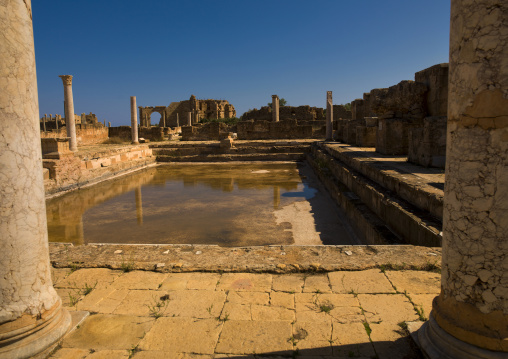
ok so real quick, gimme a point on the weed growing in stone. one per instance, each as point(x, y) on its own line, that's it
point(73, 298)
point(367, 328)
point(133, 350)
point(88, 289)
point(127, 266)
point(325, 308)
point(209, 309)
point(158, 306)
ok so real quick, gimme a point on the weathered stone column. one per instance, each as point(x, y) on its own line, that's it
point(134, 121)
point(189, 118)
point(470, 317)
point(31, 314)
point(69, 112)
point(164, 119)
point(329, 116)
point(275, 108)
point(177, 121)
point(109, 124)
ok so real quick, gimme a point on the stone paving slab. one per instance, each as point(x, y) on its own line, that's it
point(367, 281)
point(245, 315)
point(415, 282)
point(109, 332)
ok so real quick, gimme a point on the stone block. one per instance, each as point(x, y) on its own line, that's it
point(392, 137)
point(404, 100)
point(357, 109)
point(387, 308)
point(366, 136)
point(247, 282)
point(436, 79)
point(427, 144)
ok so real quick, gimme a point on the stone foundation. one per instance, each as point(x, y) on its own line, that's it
point(85, 134)
point(427, 145)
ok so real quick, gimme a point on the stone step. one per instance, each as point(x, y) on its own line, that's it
point(384, 210)
point(234, 157)
point(415, 184)
point(209, 150)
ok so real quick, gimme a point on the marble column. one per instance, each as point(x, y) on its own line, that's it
point(31, 313)
point(189, 118)
point(69, 112)
point(469, 318)
point(329, 116)
point(134, 121)
point(275, 108)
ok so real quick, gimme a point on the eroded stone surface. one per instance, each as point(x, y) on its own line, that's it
point(182, 335)
point(109, 332)
point(415, 282)
point(368, 281)
point(248, 337)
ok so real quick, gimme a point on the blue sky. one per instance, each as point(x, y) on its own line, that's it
point(238, 50)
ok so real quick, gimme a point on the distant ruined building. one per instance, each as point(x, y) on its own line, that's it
point(199, 109)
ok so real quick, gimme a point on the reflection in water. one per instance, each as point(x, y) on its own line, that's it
point(276, 197)
point(139, 205)
point(228, 204)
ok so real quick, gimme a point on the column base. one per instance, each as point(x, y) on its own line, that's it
point(26, 337)
point(437, 343)
point(135, 143)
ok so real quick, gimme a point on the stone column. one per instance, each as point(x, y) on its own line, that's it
point(164, 119)
point(69, 112)
point(31, 313)
point(329, 116)
point(177, 121)
point(275, 108)
point(134, 121)
point(469, 318)
point(109, 124)
point(189, 118)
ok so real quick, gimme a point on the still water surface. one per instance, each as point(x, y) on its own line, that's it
point(224, 204)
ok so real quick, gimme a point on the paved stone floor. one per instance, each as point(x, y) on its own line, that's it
point(342, 314)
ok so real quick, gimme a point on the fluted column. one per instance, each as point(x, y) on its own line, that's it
point(275, 108)
point(470, 317)
point(69, 112)
point(134, 121)
point(329, 116)
point(31, 314)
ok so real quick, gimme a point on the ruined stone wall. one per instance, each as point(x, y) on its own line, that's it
point(85, 134)
point(436, 80)
point(209, 109)
point(284, 129)
point(304, 113)
point(212, 131)
point(71, 171)
point(427, 144)
point(340, 112)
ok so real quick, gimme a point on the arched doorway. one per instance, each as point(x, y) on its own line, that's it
point(155, 118)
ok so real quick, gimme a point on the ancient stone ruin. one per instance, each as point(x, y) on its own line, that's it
point(469, 316)
point(176, 111)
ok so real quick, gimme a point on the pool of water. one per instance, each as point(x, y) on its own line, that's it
point(224, 204)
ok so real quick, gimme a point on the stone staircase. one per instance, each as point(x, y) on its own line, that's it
point(197, 151)
point(385, 204)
